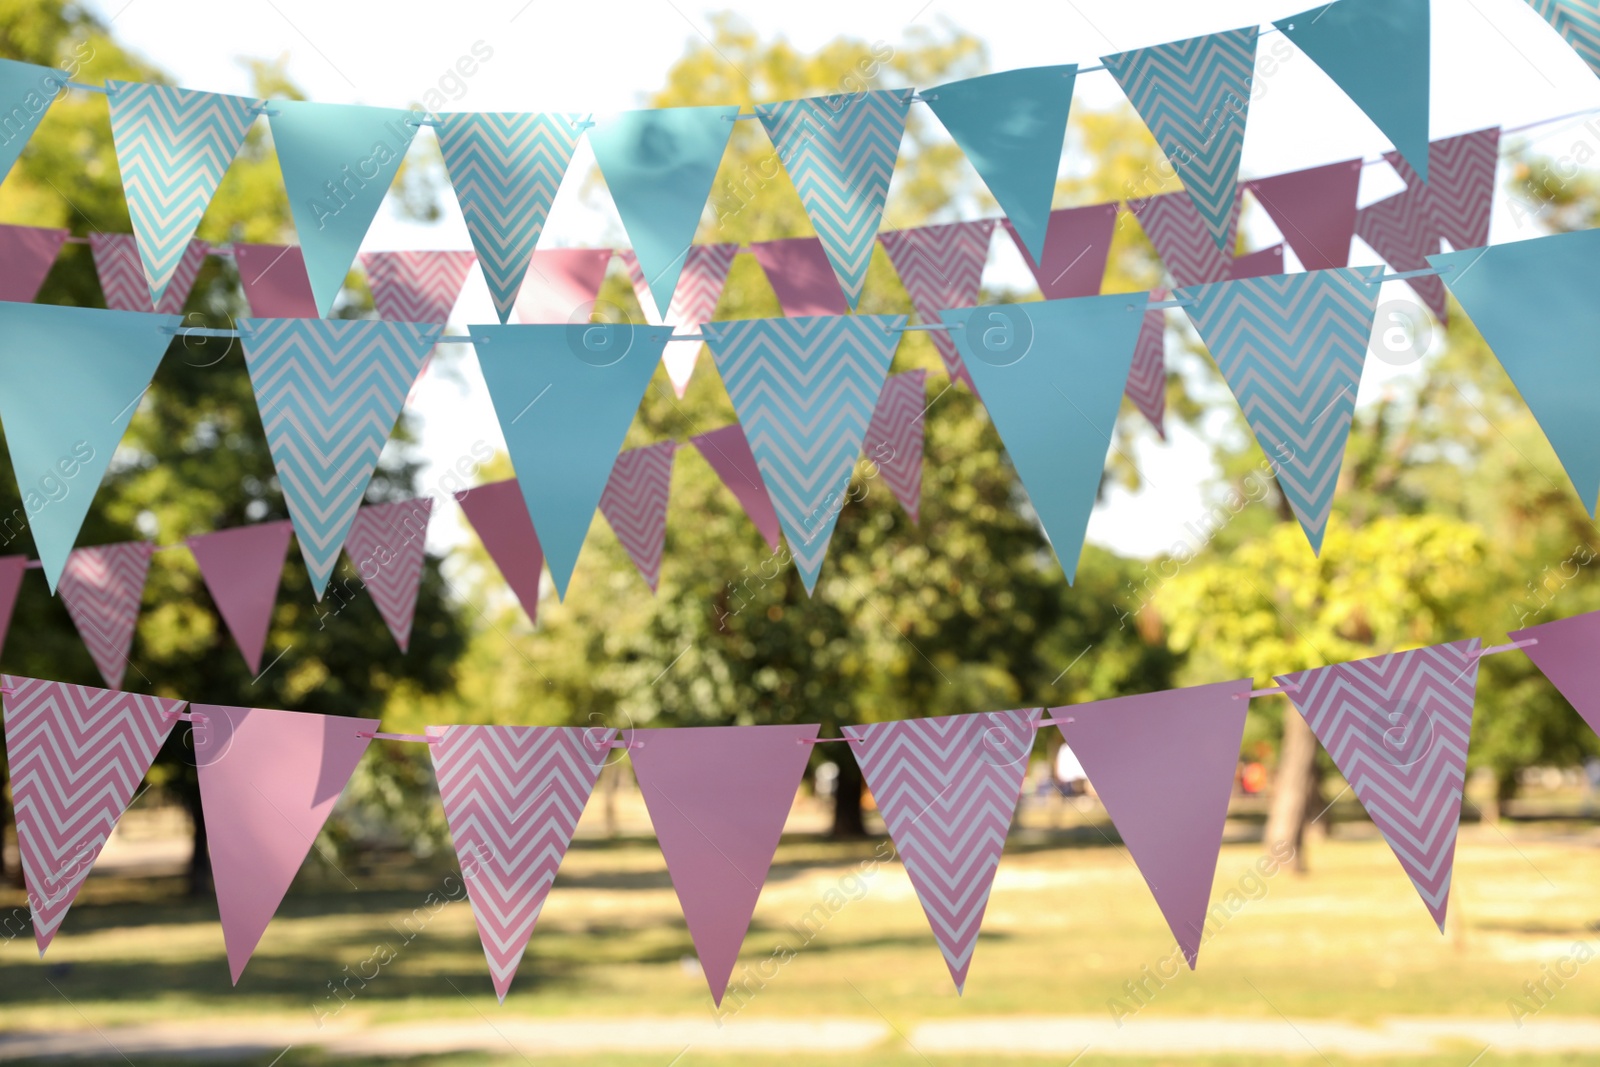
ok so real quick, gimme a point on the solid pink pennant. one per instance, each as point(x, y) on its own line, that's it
point(635, 504)
point(26, 255)
point(101, 587)
point(1182, 239)
point(1315, 210)
point(801, 276)
point(1076, 246)
point(274, 281)
point(1257, 264)
point(1400, 229)
point(1565, 654)
point(500, 517)
point(416, 286)
point(894, 437)
point(12, 568)
point(728, 451)
point(386, 545)
point(242, 568)
point(718, 797)
point(942, 267)
point(122, 277)
point(1459, 192)
point(562, 284)
point(694, 302)
point(1147, 378)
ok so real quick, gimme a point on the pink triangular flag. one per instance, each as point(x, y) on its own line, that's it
point(1163, 765)
point(1459, 192)
point(242, 568)
point(1147, 377)
point(635, 504)
point(1257, 264)
point(26, 255)
point(274, 281)
point(694, 302)
point(268, 781)
point(947, 788)
point(122, 277)
point(416, 286)
point(561, 284)
point(801, 276)
point(941, 267)
point(101, 587)
point(76, 756)
point(12, 568)
point(512, 797)
point(1397, 727)
point(1076, 246)
point(1565, 654)
point(1400, 229)
point(1315, 210)
point(718, 797)
point(386, 546)
point(500, 516)
point(1182, 239)
point(894, 437)
point(728, 451)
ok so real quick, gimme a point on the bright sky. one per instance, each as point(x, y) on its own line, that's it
point(1494, 62)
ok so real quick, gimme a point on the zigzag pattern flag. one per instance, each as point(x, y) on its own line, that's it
point(512, 797)
point(122, 274)
point(1182, 240)
point(1195, 97)
point(502, 523)
point(173, 147)
point(506, 169)
point(805, 390)
point(386, 545)
point(1147, 378)
point(840, 153)
point(1397, 727)
point(274, 281)
point(947, 788)
point(942, 267)
point(1578, 23)
point(242, 569)
point(894, 437)
point(801, 277)
point(635, 504)
point(416, 286)
point(76, 755)
point(329, 393)
point(1315, 210)
point(728, 452)
point(1460, 191)
point(1400, 229)
point(12, 568)
point(101, 587)
point(1076, 248)
point(1292, 348)
point(26, 255)
point(694, 301)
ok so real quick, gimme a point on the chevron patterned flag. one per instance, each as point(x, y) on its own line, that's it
point(728, 452)
point(26, 93)
point(1195, 97)
point(1400, 229)
point(1460, 192)
point(1397, 727)
point(329, 393)
point(894, 437)
point(1564, 653)
point(694, 301)
point(501, 521)
point(805, 390)
point(102, 587)
point(840, 153)
point(274, 281)
point(386, 546)
point(1578, 23)
point(76, 756)
point(801, 277)
point(173, 147)
point(506, 169)
point(1180, 238)
point(242, 569)
point(512, 797)
point(1076, 248)
point(1147, 378)
point(941, 267)
point(1315, 209)
point(26, 255)
point(947, 788)
point(635, 504)
point(1292, 347)
point(416, 286)
point(122, 274)
point(12, 568)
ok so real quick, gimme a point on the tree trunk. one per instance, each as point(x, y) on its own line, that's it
point(199, 876)
point(1294, 789)
point(613, 778)
point(847, 814)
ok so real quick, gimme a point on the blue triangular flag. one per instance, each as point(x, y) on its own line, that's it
point(338, 161)
point(565, 396)
point(26, 93)
point(1578, 23)
point(659, 165)
point(1533, 302)
point(70, 381)
point(1051, 375)
point(1011, 126)
point(1377, 52)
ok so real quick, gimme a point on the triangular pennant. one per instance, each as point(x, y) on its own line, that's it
point(173, 147)
point(1163, 765)
point(801, 276)
point(1315, 210)
point(805, 390)
point(499, 515)
point(122, 274)
point(941, 267)
point(635, 504)
point(718, 797)
point(694, 301)
point(512, 796)
point(416, 286)
point(274, 281)
point(506, 169)
point(242, 568)
point(561, 285)
point(565, 396)
point(1011, 126)
point(12, 568)
point(76, 755)
point(1292, 347)
point(1578, 23)
point(329, 393)
point(947, 788)
point(386, 545)
point(1180, 238)
point(894, 437)
point(1377, 51)
point(1397, 727)
point(1257, 264)
point(840, 153)
point(659, 165)
point(1564, 653)
point(102, 587)
point(26, 93)
point(268, 781)
point(70, 381)
point(1147, 377)
point(728, 452)
point(1400, 229)
point(1076, 248)
point(1460, 192)
point(338, 161)
point(26, 255)
point(1052, 375)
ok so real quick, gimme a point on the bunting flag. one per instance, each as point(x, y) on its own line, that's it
point(894, 437)
point(728, 452)
point(1076, 249)
point(416, 286)
point(173, 147)
point(386, 545)
point(561, 285)
point(805, 390)
point(801, 276)
point(512, 796)
point(1564, 653)
point(705, 271)
point(329, 392)
point(1257, 264)
point(1195, 97)
point(565, 397)
point(1530, 300)
point(274, 281)
point(1315, 210)
point(840, 153)
point(338, 161)
point(947, 788)
point(1377, 51)
point(1578, 23)
point(1460, 196)
point(122, 274)
point(12, 568)
point(102, 587)
point(70, 381)
point(506, 169)
point(1147, 377)
point(75, 755)
point(1011, 127)
point(268, 781)
point(659, 165)
point(242, 568)
point(500, 518)
point(1400, 229)
point(1292, 348)
point(635, 504)
point(1052, 376)
point(1180, 238)
point(1163, 765)
point(941, 267)
point(26, 255)
point(1397, 727)
point(26, 93)
point(718, 797)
